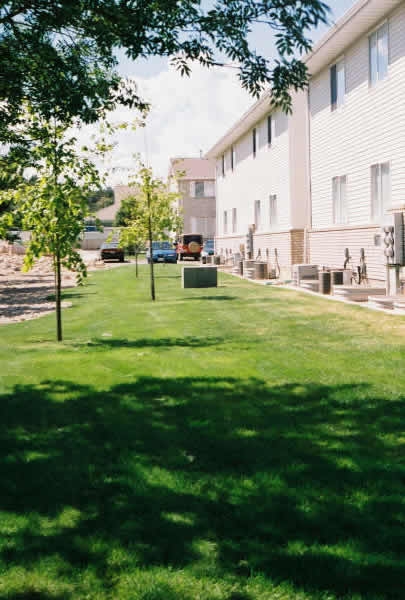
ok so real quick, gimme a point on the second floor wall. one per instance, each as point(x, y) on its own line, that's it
point(357, 125)
point(252, 179)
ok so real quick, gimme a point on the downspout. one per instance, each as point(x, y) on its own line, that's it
point(308, 227)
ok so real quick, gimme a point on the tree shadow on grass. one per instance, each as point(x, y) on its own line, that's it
point(32, 595)
point(219, 298)
point(190, 341)
point(301, 483)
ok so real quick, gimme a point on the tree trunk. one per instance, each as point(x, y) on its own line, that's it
point(152, 275)
point(58, 290)
point(136, 263)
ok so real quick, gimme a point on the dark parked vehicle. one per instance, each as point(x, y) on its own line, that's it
point(162, 252)
point(111, 251)
point(189, 245)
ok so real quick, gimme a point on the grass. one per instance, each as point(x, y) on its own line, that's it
point(237, 443)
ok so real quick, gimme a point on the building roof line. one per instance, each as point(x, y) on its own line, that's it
point(358, 20)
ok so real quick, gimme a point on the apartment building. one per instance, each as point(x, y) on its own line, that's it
point(329, 176)
point(194, 179)
point(357, 132)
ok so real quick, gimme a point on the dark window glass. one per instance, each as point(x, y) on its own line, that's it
point(269, 130)
point(333, 87)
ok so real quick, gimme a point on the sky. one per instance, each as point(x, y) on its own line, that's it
point(189, 114)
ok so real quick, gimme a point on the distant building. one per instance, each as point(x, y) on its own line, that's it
point(196, 184)
point(107, 215)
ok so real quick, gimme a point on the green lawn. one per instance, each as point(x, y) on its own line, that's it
point(237, 443)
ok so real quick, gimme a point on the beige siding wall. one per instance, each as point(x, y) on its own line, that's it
point(288, 244)
point(368, 129)
point(281, 242)
point(328, 249)
point(229, 243)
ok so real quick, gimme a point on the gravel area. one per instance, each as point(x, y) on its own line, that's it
point(25, 296)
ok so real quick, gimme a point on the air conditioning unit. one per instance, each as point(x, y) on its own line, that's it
point(393, 236)
point(304, 271)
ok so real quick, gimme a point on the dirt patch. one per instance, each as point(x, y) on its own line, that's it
point(25, 296)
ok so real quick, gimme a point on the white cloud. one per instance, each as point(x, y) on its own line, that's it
point(188, 114)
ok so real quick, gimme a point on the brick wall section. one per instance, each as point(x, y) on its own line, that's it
point(297, 247)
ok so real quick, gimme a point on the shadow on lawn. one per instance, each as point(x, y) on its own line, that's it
point(188, 342)
point(219, 297)
point(304, 484)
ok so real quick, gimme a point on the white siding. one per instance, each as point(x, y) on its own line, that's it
point(368, 129)
point(256, 178)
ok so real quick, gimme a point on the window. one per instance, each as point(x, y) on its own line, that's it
point(269, 130)
point(225, 222)
point(380, 190)
point(233, 157)
point(337, 85)
point(378, 54)
point(273, 210)
point(234, 221)
point(223, 165)
point(257, 214)
point(339, 199)
point(254, 142)
point(199, 189)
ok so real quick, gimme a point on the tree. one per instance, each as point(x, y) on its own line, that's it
point(53, 204)
point(61, 55)
point(126, 211)
point(132, 234)
point(153, 215)
point(100, 199)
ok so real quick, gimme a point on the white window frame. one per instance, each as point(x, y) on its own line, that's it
point(380, 73)
point(339, 200)
point(273, 213)
point(380, 190)
point(258, 208)
point(234, 220)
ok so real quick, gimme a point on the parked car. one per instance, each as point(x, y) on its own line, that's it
point(162, 252)
point(189, 245)
point(111, 251)
point(208, 248)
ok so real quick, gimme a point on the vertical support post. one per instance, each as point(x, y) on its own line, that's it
point(150, 235)
point(58, 297)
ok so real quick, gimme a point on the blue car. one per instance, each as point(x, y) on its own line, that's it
point(162, 252)
point(208, 248)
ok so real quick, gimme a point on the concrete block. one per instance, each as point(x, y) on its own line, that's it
point(199, 277)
